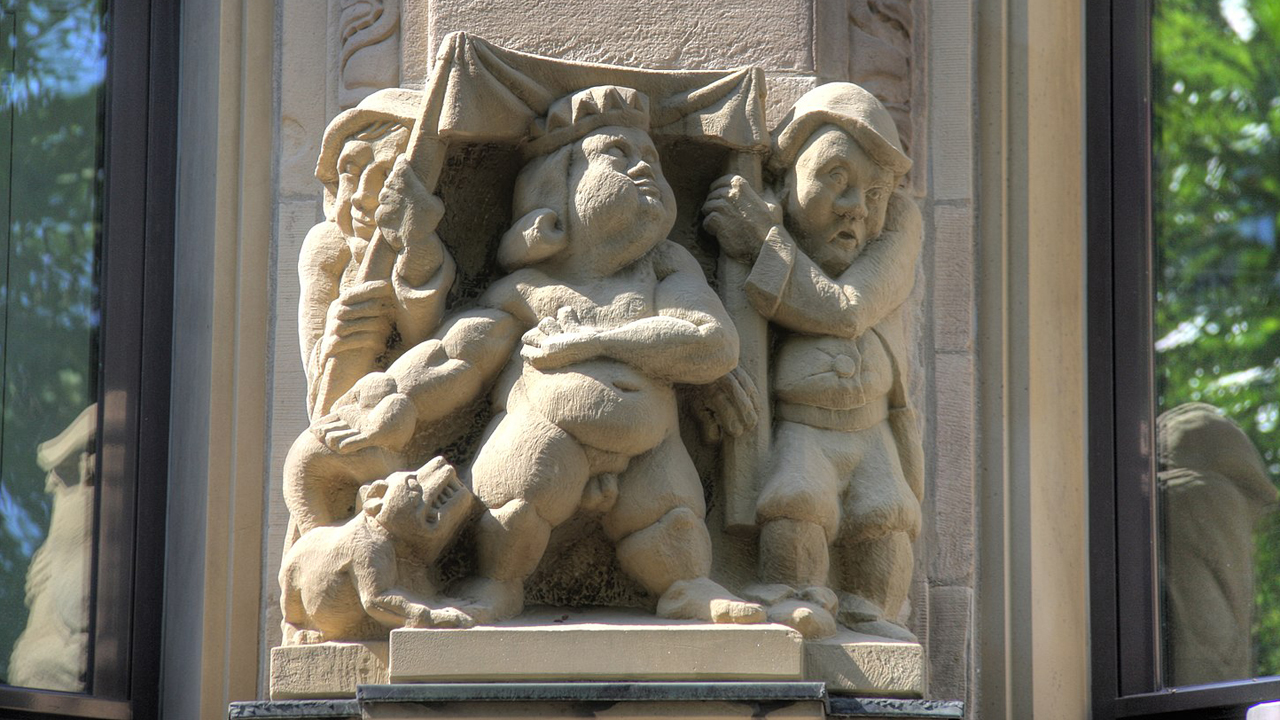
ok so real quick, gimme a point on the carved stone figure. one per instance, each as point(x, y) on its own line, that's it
point(356, 580)
point(367, 295)
point(614, 315)
point(1215, 488)
point(832, 250)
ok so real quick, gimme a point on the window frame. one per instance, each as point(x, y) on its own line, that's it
point(139, 178)
point(1124, 616)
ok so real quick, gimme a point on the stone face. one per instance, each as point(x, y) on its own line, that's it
point(858, 664)
point(591, 647)
point(327, 670)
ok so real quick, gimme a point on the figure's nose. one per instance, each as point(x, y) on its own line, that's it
point(367, 191)
point(852, 203)
point(642, 169)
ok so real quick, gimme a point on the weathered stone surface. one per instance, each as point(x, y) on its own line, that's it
point(952, 554)
point(597, 645)
point(690, 35)
point(951, 100)
point(857, 664)
point(951, 664)
point(953, 278)
point(326, 670)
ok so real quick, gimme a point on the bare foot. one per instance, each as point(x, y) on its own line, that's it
point(813, 621)
point(487, 601)
point(702, 599)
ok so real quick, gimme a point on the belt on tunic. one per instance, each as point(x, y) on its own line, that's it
point(850, 420)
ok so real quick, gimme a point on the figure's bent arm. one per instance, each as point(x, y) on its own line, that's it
point(790, 289)
point(691, 340)
point(321, 262)
point(445, 373)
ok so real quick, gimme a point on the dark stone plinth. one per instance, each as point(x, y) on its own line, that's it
point(585, 699)
point(848, 707)
point(295, 709)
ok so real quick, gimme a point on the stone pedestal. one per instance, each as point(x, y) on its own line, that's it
point(854, 663)
point(327, 670)
point(551, 645)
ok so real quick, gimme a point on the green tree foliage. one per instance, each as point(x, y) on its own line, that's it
point(1216, 138)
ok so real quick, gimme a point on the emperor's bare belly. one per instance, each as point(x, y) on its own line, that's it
point(602, 403)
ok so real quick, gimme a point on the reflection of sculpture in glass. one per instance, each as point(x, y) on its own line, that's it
point(833, 253)
point(52, 653)
point(1214, 488)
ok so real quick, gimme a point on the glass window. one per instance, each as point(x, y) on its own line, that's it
point(1184, 293)
point(1216, 193)
point(50, 186)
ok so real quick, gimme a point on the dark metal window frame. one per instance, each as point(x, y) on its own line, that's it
point(1122, 505)
point(139, 161)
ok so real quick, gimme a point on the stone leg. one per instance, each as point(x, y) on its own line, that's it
point(882, 517)
point(798, 512)
point(662, 539)
point(530, 475)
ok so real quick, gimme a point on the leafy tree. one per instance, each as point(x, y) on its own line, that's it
point(1216, 133)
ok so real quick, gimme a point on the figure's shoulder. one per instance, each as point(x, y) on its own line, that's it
point(513, 293)
point(903, 214)
point(670, 257)
point(324, 247)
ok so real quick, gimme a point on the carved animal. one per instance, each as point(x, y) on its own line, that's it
point(358, 580)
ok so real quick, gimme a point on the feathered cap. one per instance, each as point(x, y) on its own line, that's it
point(850, 108)
point(393, 105)
point(572, 117)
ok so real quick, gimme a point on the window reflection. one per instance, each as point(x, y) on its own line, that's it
point(1216, 193)
point(52, 67)
point(1214, 489)
point(53, 650)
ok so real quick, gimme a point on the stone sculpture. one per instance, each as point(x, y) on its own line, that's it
point(832, 249)
point(351, 581)
point(583, 330)
point(1214, 488)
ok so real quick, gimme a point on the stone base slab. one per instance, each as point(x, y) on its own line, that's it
point(853, 663)
point(617, 701)
point(597, 645)
point(326, 670)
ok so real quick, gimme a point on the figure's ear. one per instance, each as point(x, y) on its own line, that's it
point(531, 239)
point(371, 496)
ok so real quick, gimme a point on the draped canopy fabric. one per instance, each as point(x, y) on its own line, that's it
point(483, 93)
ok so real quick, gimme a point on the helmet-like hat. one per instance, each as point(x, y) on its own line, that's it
point(850, 108)
point(573, 116)
point(393, 105)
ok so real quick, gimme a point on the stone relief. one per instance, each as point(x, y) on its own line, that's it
point(880, 56)
point(531, 285)
point(368, 48)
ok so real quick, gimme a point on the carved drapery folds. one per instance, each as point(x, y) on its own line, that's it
point(880, 56)
point(537, 281)
point(368, 48)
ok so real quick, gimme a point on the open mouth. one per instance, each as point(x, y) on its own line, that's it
point(845, 237)
point(442, 497)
